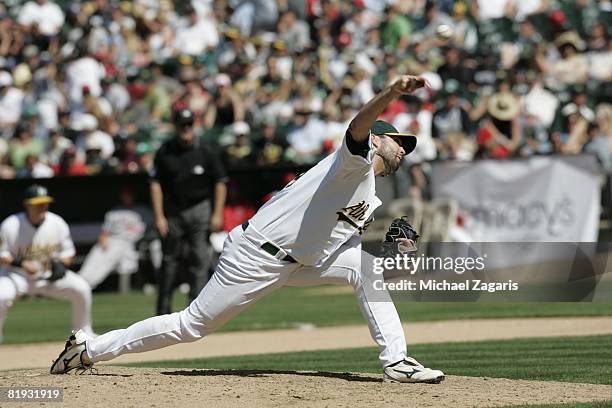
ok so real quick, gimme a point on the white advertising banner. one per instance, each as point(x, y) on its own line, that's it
point(540, 199)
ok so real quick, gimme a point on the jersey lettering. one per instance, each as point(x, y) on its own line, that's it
point(355, 213)
point(38, 251)
point(365, 225)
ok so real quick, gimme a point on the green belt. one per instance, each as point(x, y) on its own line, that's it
point(270, 247)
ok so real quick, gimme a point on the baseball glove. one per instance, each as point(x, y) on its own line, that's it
point(58, 270)
point(400, 230)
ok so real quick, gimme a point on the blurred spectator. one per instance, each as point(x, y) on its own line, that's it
point(116, 94)
point(274, 90)
point(396, 29)
point(491, 9)
point(598, 38)
point(99, 107)
point(11, 100)
point(56, 145)
point(455, 67)
point(156, 99)
point(227, 107)
point(240, 152)
point(339, 112)
point(23, 144)
point(252, 15)
point(6, 170)
point(11, 36)
point(572, 66)
point(84, 73)
point(270, 148)
point(417, 120)
point(572, 123)
point(363, 90)
point(70, 164)
point(145, 158)
point(293, 31)
point(432, 18)
point(34, 168)
point(91, 138)
point(451, 125)
point(306, 136)
point(524, 49)
point(94, 161)
point(194, 96)
point(196, 34)
point(599, 138)
point(128, 156)
point(539, 107)
point(42, 17)
point(600, 60)
point(465, 32)
point(499, 135)
point(235, 50)
point(356, 28)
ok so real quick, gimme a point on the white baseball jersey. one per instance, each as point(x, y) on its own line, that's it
point(319, 211)
point(124, 224)
point(50, 240)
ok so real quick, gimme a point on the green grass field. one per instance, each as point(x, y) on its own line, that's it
point(36, 319)
point(582, 359)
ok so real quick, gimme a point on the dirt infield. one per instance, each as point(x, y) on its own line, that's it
point(137, 387)
point(160, 387)
point(276, 341)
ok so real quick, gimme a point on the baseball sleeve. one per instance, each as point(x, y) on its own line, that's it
point(353, 157)
point(66, 245)
point(357, 148)
point(4, 240)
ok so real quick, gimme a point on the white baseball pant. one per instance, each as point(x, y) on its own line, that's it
point(118, 255)
point(71, 287)
point(244, 274)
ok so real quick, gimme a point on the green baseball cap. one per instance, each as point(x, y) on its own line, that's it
point(409, 141)
point(37, 194)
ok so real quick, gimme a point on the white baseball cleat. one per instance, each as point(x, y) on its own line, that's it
point(409, 370)
point(72, 356)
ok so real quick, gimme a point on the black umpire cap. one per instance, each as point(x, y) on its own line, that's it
point(183, 117)
point(37, 194)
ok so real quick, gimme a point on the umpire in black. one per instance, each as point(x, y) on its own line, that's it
point(188, 194)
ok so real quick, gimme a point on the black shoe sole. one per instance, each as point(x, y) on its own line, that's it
point(436, 380)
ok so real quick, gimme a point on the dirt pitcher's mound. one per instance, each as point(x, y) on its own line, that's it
point(155, 387)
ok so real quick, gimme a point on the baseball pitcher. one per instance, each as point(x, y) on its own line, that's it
point(35, 251)
point(308, 233)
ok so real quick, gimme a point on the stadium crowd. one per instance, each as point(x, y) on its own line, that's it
point(90, 87)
